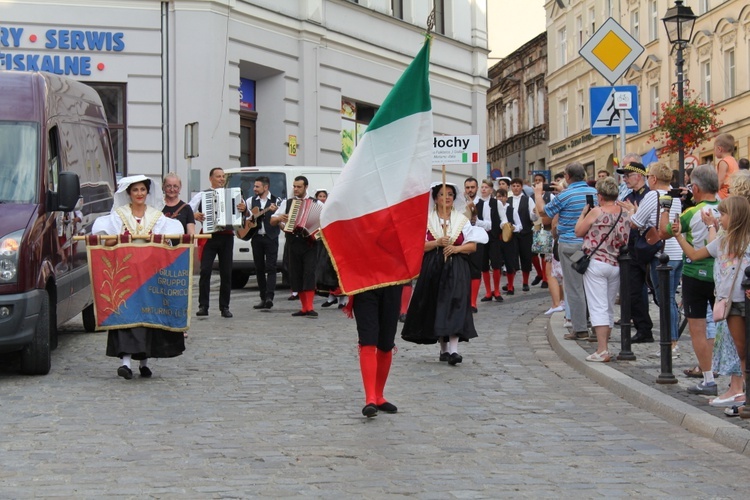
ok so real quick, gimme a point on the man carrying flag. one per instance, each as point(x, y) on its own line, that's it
point(374, 220)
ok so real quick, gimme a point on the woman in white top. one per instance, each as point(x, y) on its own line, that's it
point(137, 212)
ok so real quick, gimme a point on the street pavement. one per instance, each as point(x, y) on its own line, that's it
point(265, 405)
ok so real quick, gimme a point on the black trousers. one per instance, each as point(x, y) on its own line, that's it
point(220, 245)
point(491, 255)
point(302, 259)
point(525, 241)
point(639, 299)
point(376, 312)
point(265, 254)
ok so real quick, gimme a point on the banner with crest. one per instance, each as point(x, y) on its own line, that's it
point(141, 284)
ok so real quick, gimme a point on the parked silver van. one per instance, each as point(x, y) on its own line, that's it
point(56, 177)
point(281, 185)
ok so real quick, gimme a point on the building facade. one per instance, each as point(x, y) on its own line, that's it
point(191, 85)
point(717, 68)
point(517, 111)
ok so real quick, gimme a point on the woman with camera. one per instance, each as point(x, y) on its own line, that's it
point(605, 229)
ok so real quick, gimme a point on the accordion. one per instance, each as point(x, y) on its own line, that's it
point(220, 208)
point(304, 217)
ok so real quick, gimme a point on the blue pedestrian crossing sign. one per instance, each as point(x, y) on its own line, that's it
point(605, 115)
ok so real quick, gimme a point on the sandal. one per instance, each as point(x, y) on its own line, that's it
point(695, 372)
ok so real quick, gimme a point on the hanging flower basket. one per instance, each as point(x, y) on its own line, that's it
point(694, 122)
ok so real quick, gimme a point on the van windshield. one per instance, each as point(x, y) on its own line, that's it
point(19, 146)
point(246, 180)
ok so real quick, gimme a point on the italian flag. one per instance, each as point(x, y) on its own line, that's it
point(375, 218)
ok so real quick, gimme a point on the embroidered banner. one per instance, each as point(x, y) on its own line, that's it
point(142, 284)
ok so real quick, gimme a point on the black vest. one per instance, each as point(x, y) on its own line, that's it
point(523, 213)
point(495, 221)
point(265, 219)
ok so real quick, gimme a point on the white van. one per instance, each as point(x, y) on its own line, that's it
point(281, 185)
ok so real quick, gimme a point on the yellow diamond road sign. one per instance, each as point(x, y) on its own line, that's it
point(611, 50)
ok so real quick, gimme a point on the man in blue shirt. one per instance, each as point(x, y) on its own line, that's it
point(569, 205)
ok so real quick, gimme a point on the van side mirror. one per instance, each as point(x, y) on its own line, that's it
point(68, 192)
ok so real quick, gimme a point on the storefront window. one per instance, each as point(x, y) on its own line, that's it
point(354, 120)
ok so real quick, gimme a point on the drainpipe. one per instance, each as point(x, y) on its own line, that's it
point(165, 87)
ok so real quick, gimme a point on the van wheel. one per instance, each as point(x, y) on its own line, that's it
point(36, 357)
point(89, 321)
point(239, 279)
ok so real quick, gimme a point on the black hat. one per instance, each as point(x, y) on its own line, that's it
point(633, 166)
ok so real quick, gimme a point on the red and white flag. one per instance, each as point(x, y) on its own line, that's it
point(375, 218)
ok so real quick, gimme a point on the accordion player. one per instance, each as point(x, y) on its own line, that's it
point(220, 209)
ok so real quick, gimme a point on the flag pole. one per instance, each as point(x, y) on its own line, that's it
point(444, 224)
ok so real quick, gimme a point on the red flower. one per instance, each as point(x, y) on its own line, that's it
point(692, 123)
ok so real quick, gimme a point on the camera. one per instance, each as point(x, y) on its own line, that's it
point(590, 200)
point(549, 187)
point(674, 193)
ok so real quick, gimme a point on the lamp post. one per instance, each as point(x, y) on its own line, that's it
point(679, 23)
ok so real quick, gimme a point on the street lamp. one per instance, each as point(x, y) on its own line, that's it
point(679, 23)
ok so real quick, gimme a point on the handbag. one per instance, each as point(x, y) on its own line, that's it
point(542, 242)
point(580, 260)
point(648, 243)
point(724, 304)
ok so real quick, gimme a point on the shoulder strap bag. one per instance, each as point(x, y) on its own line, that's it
point(581, 262)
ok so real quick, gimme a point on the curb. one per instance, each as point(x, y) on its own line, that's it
point(647, 398)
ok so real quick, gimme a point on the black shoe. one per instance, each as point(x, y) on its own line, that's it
point(388, 407)
point(202, 311)
point(402, 318)
point(510, 292)
point(299, 313)
point(545, 284)
point(329, 304)
point(226, 313)
point(456, 358)
point(293, 297)
point(312, 314)
point(125, 372)
point(526, 288)
point(260, 305)
point(488, 298)
point(474, 309)
point(536, 281)
point(445, 356)
point(269, 304)
point(505, 288)
point(370, 411)
point(641, 339)
point(499, 298)
point(145, 371)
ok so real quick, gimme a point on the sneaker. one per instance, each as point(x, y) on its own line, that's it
point(704, 389)
point(734, 411)
point(599, 357)
point(567, 323)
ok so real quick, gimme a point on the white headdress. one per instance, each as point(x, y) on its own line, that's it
point(459, 202)
point(155, 198)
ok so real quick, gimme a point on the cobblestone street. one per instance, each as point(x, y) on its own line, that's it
point(266, 405)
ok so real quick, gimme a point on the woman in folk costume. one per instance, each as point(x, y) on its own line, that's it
point(440, 309)
point(137, 212)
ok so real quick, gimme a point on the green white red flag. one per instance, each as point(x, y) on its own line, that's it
point(375, 218)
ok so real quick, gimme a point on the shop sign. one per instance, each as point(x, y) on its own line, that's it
point(71, 42)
